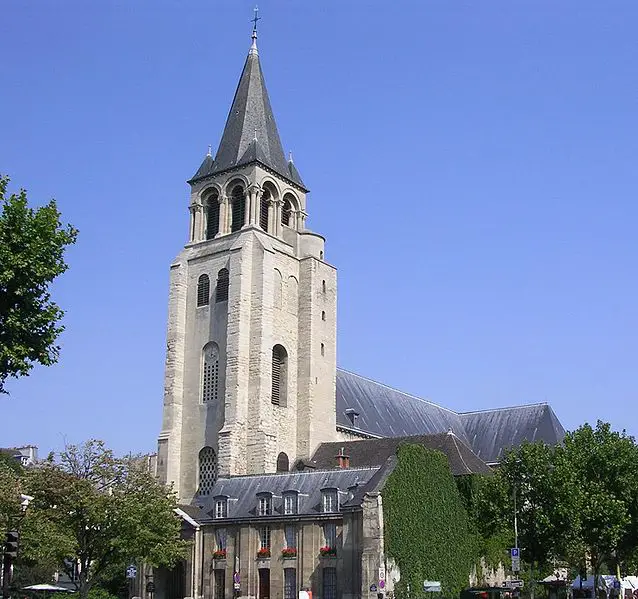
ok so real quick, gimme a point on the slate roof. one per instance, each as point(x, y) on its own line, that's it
point(493, 432)
point(242, 491)
point(250, 133)
point(375, 452)
point(386, 412)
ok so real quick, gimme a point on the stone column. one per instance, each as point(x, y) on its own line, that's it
point(195, 222)
point(224, 215)
point(255, 196)
point(247, 202)
point(271, 216)
point(301, 225)
point(277, 228)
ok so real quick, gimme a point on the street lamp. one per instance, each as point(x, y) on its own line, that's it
point(10, 550)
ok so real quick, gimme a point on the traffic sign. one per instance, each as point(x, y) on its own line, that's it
point(516, 564)
point(616, 584)
point(514, 584)
point(382, 572)
point(515, 552)
point(131, 571)
point(382, 584)
point(373, 588)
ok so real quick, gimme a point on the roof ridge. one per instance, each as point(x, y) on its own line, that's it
point(456, 446)
point(427, 401)
point(527, 405)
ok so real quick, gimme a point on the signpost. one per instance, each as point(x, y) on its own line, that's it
point(515, 554)
point(431, 586)
point(131, 571)
point(514, 584)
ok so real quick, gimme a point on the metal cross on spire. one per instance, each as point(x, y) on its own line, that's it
point(253, 47)
point(254, 21)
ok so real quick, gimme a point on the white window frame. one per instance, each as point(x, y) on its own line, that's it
point(221, 508)
point(264, 537)
point(290, 504)
point(265, 506)
point(330, 501)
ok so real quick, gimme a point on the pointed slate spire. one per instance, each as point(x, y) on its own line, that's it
point(251, 133)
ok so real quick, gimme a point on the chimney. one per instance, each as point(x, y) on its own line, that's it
point(343, 459)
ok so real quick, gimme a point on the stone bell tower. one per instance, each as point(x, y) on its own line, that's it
point(251, 342)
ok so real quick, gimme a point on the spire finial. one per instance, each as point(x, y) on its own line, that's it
point(210, 150)
point(255, 137)
point(290, 156)
point(253, 47)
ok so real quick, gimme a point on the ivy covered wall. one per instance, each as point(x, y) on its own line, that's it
point(427, 530)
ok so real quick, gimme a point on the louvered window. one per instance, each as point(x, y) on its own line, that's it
point(279, 375)
point(329, 579)
point(212, 217)
point(207, 470)
point(285, 213)
point(263, 212)
point(221, 290)
point(203, 290)
point(239, 206)
point(210, 374)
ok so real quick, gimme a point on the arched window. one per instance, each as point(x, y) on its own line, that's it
point(221, 289)
point(212, 216)
point(286, 211)
point(238, 202)
point(203, 290)
point(207, 470)
point(210, 373)
point(279, 375)
point(263, 210)
point(283, 464)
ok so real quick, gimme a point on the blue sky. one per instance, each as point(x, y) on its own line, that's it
point(472, 165)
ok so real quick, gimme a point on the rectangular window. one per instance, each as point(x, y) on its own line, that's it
point(290, 504)
point(329, 583)
point(220, 539)
point(220, 508)
point(330, 534)
point(264, 537)
point(291, 536)
point(265, 506)
point(330, 501)
point(220, 584)
point(290, 583)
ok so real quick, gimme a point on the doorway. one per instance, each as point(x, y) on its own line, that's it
point(264, 583)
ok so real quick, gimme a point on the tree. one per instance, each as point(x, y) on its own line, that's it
point(600, 469)
point(32, 247)
point(98, 513)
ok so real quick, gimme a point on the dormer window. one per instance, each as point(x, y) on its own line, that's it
point(221, 507)
point(264, 507)
point(329, 501)
point(290, 503)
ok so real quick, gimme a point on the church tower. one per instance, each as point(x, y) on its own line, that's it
point(251, 343)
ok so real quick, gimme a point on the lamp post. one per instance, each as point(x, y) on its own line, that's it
point(10, 550)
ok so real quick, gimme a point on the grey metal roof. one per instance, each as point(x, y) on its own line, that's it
point(205, 169)
point(493, 432)
point(375, 452)
point(242, 490)
point(251, 118)
point(386, 412)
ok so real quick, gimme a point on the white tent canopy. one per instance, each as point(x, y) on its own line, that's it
point(47, 588)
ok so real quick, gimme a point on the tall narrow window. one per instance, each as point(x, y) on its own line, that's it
point(290, 534)
point(221, 289)
point(265, 505)
point(279, 375)
point(286, 211)
point(290, 503)
point(210, 373)
point(264, 537)
point(290, 583)
point(283, 464)
point(220, 539)
point(263, 211)
point(220, 584)
point(329, 579)
point(330, 534)
point(238, 202)
point(212, 217)
point(203, 290)
point(207, 470)
point(323, 349)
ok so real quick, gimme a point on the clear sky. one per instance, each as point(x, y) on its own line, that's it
point(472, 166)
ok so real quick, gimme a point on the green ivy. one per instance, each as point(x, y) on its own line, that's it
point(427, 529)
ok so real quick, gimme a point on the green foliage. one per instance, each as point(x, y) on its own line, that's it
point(100, 512)
point(9, 491)
point(32, 246)
point(427, 530)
